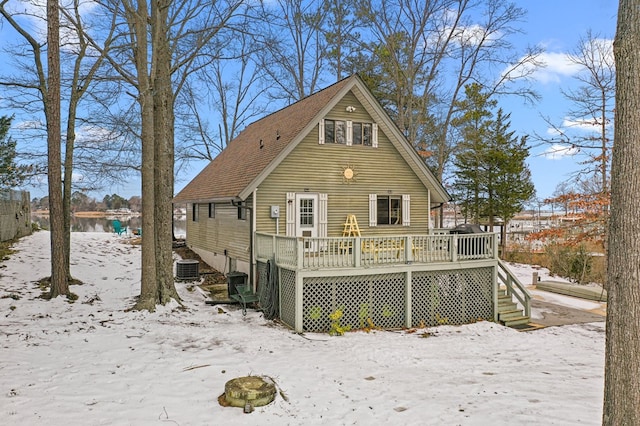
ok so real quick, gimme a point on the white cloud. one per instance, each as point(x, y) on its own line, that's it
point(558, 65)
point(77, 177)
point(555, 66)
point(559, 151)
point(584, 124)
point(29, 125)
point(32, 15)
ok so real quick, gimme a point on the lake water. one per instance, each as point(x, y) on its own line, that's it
point(103, 224)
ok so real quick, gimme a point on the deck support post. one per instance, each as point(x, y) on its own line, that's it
point(494, 295)
point(407, 298)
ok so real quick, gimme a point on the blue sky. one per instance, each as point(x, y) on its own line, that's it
point(555, 24)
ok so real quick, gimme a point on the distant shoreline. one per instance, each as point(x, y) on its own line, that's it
point(90, 214)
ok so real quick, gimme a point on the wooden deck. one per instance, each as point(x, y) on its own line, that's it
point(399, 281)
point(300, 253)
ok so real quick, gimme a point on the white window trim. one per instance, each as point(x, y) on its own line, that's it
point(323, 215)
point(373, 210)
point(406, 210)
point(291, 214)
point(374, 135)
point(321, 132)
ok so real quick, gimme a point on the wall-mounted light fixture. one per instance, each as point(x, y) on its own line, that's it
point(351, 108)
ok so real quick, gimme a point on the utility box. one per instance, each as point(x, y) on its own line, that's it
point(234, 279)
point(275, 212)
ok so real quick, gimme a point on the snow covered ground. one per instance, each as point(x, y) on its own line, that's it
point(93, 363)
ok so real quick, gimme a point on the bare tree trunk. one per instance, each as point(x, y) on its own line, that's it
point(138, 22)
point(68, 177)
point(59, 279)
point(163, 118)
point(622, 354)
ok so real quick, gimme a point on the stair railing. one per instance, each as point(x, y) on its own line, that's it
point(514, 287)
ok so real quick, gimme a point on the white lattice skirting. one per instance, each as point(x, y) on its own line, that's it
point(436, 297)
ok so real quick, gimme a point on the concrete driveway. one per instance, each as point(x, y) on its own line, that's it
point(548, 314)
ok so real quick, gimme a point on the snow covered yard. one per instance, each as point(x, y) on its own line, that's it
point(93, 363)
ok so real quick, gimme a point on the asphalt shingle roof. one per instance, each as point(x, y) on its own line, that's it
point(233, 170)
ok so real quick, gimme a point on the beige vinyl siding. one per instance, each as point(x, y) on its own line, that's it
point(318, 168)
point(224, 232)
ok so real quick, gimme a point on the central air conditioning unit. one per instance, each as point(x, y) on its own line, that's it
point(187, 269)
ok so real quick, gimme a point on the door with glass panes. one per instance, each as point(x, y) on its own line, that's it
point(307, 218)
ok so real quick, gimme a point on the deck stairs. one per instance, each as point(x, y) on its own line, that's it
point(509, 313)
point(514, 301)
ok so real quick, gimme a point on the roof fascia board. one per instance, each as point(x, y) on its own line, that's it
point(218, 200)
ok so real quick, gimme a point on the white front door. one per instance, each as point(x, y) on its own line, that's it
point(307, 217)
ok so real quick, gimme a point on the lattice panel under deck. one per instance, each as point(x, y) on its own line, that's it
point(378, 297)
point(451, 297)
point(288, 297)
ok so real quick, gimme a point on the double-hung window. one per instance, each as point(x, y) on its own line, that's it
point(335, 131)
point(346, 132)
point(389, 210)
point(362, 134)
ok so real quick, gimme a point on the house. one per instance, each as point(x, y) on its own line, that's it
point(328, 202)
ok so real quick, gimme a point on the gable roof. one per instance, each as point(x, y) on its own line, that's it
point(261, 146)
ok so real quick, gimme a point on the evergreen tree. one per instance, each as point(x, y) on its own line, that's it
point(470, 163)
point(509, 183)
point(492, 177)
point(11, 174)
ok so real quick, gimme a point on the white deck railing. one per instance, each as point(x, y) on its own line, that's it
point(353, 252)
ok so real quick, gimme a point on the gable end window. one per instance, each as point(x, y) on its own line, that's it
point(335, 131)
point(362, 134)
point(194, 212)
point(347, 133)
point(212, 210)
